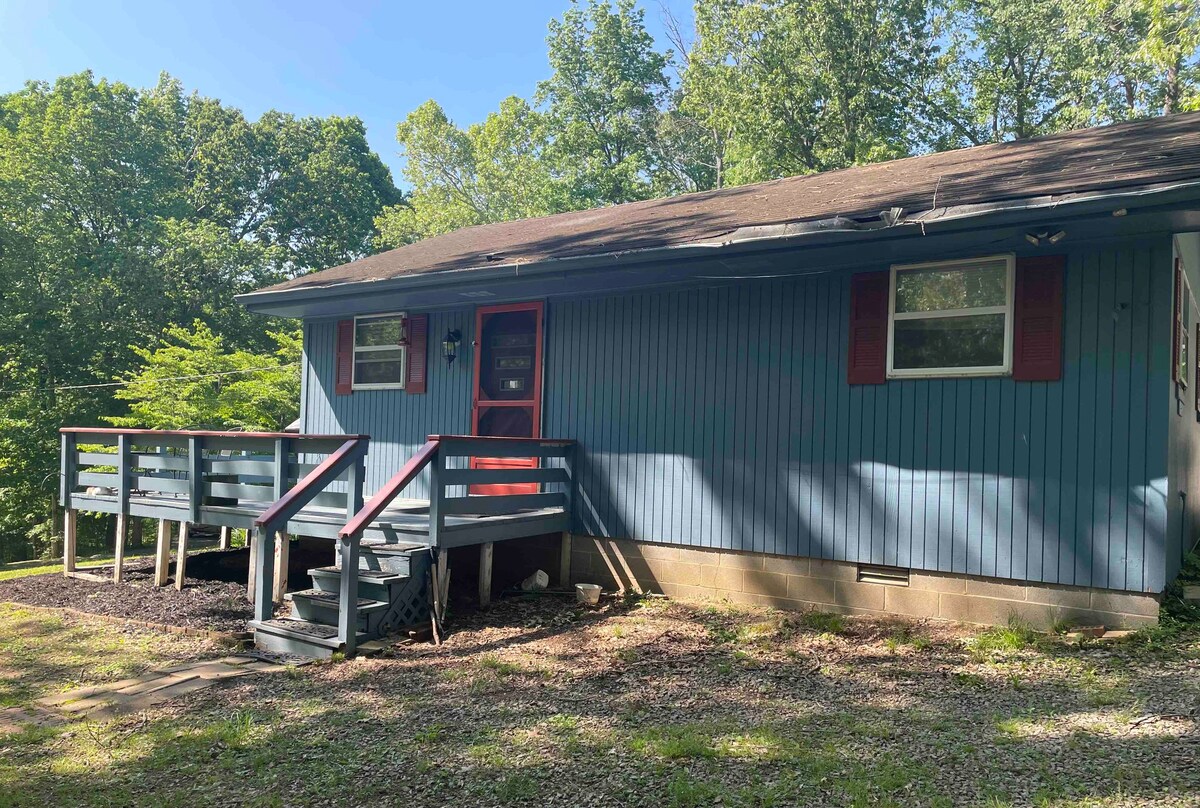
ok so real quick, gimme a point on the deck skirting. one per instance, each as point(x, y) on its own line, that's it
point(787, 582)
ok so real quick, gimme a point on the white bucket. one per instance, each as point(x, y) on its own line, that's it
point(587, 594)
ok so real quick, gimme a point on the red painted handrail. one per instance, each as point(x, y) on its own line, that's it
point(287, 505)
point(201, 433)
point(391, 490)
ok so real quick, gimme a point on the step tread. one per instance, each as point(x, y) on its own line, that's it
point(369, 576)
point(379, 546)
point(315, 633)
point(332, 599)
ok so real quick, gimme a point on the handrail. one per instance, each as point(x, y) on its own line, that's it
point(391, 489)
point(312, 483)
point(201, 433)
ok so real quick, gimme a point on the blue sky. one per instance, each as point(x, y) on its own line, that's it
point(376, 60)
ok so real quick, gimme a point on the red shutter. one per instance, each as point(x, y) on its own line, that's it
point(1038, 319)
point(868, 328)
point(344, 364)
point(418, 339)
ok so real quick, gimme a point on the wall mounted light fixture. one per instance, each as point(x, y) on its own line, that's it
point(450, 345)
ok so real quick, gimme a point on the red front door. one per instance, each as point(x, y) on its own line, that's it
point(508, 385)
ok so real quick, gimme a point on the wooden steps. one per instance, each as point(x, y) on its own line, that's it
point(392, 595)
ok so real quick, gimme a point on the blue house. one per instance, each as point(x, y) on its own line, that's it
point(958, 385)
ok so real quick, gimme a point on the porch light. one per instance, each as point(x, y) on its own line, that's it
point(450, 345)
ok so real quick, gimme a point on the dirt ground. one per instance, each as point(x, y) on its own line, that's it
point(648, 702)
point(216, 605)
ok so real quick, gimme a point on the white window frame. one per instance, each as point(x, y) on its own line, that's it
point(356, 349)
point(953, 372)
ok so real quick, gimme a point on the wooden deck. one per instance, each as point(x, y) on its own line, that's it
point(275, 484)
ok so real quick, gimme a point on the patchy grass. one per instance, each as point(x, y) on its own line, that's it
point(638, 703)
point(1017, 635)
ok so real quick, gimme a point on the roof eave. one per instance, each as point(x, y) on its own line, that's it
point(777, 235)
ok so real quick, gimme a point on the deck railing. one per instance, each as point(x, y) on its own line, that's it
point(225, 479)
point(455, 481)
point(161, 473)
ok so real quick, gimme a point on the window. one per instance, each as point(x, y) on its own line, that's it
point(951, 318)
point(380, 351)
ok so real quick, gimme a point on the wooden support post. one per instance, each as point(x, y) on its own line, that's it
point(119, 552)
point(252, 546)
point(70, 532)
point(441, 586)
point(348, 594)
point(264, 574)
point(181, 555)
point(564, 560)
point(226, 540)
point(283, 543)
point(485, 574)
point(162, 553)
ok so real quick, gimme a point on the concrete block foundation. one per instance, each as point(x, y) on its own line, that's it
point(695, 574)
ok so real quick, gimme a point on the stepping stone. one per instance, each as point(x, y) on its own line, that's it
point(18, 719)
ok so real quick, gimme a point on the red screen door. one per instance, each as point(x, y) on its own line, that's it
point(508, 386)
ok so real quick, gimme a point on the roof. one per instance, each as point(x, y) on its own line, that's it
point(1156, 151)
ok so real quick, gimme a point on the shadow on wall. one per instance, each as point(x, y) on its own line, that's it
point(964, 522)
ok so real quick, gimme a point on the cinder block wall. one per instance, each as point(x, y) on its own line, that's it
point(803, 583)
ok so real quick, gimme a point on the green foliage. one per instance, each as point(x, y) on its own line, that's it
point(490, 172)
point(823, 622)
point(603, 100)
point(1014, 636)
point(192, 381)
point(124, 212)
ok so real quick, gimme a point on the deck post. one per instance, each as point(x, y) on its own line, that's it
point(264, 563)
point(437, 498)
point(485, 574)
point(195, 478)
point(226, 540)
point(283, 544)
point(348, 548)
point(162, 553)
point(70, 531)
point(564, 559)
point(68, 470)
point(181, 555)
point(441, 585)
point(119, 551)
point(124, 477)
point(282, 449)
point(252, 546)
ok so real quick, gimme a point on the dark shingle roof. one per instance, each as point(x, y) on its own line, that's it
point(1154, 151)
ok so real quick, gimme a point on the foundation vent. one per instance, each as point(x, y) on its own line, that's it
point(889, 576)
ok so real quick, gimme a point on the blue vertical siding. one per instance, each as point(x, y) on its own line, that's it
point(397, 422)
point(746, 436)
point(720, 417)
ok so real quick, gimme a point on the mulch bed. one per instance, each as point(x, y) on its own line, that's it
point(204, 604)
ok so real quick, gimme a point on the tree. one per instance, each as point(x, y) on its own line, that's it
point(493, 171)
point(192, 380)
point(797, 86)
point(603, 100)
point(123, 211)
